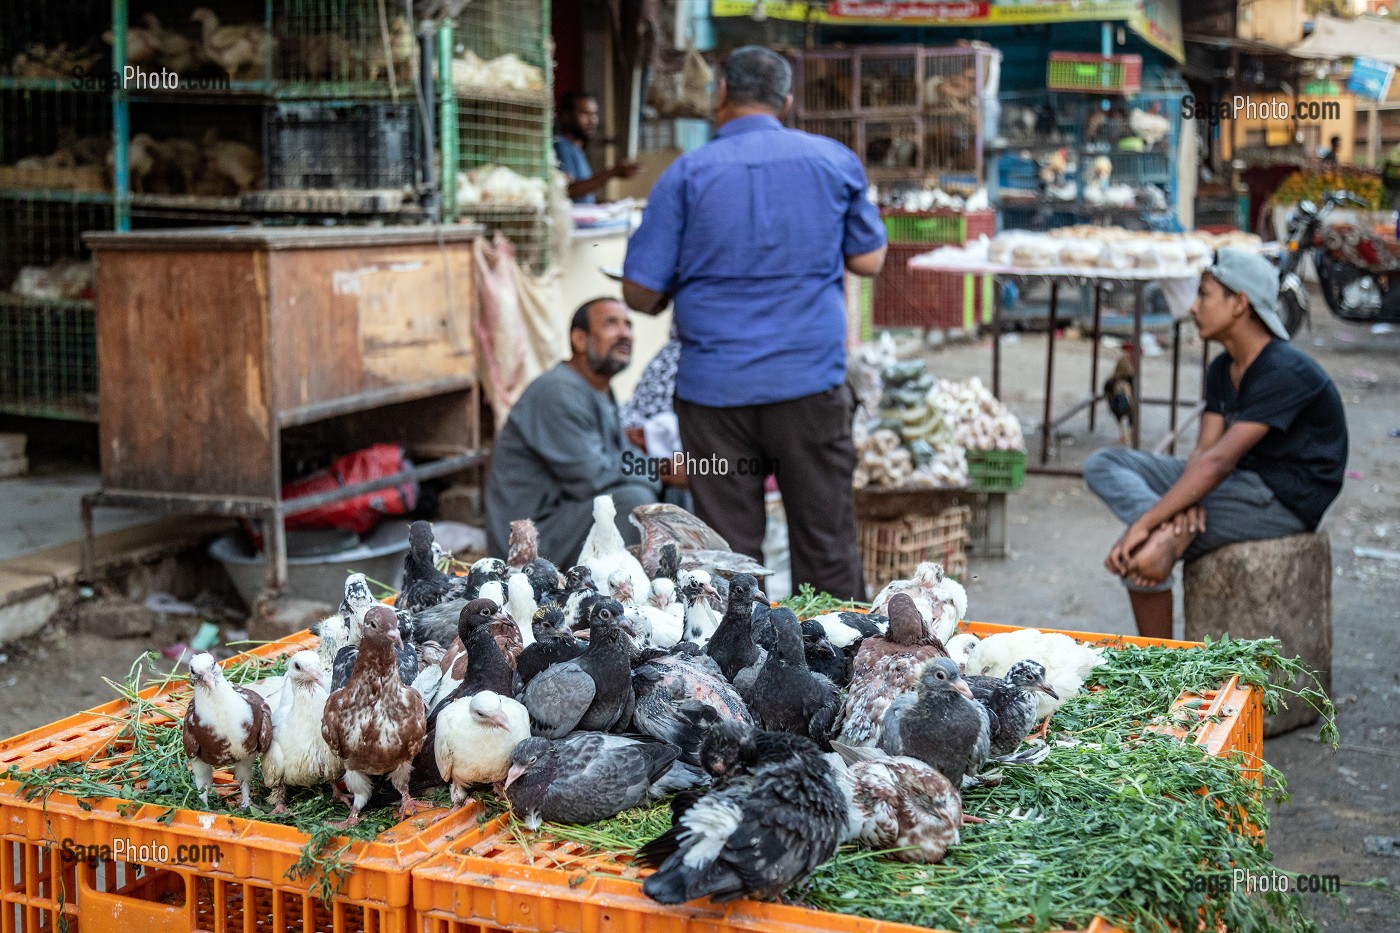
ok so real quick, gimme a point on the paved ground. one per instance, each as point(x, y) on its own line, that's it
point(1054, 577)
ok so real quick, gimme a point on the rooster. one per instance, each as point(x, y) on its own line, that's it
point(1118, 390)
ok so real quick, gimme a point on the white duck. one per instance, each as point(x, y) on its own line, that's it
point(298, 755)
point(475, 736)
point(603, 551)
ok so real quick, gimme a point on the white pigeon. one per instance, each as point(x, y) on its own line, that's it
point(334, 634)
point(941, 601)
point(1067, 662)
point(622, 589)
point(224, 725)
point(299, 755)
point(603, 550)
point(520, 603)
point(700, 620)
point(474, 739)
point(663, 597)
point(960, 648)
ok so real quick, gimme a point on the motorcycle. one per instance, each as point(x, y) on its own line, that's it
point(1358, 277)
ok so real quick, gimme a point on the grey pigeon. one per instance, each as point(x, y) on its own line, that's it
point(732, 645)
point(584, 778)
point(788, 697)
point(780, 814)
point(941, 725)
point(680, 696)
point(886, 667)
point(593, 692)
point(1011, 703)
point(553, 644)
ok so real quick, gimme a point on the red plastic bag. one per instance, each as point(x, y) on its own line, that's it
point(361, 513)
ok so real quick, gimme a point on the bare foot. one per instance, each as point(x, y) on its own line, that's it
point(1152, 563)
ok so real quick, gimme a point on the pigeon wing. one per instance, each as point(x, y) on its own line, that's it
point(558, 698)
point(890, 739)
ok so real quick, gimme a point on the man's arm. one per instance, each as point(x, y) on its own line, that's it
point(654, 251)
point(643, 299)
point(867, 264)
point(584, 187)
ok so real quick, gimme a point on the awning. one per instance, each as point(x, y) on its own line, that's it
point(1366, 37)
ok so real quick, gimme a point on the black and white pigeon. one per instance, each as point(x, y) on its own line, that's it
point(1011, 703)
point(424, 585)
point(787, 696)
point(941, 725)
point(778, 815)
point(584, 778)
point(578, 586)
point(822, 656)
point(679, 696)
point(345, 662)
point(732, 645)
point(546, 580)
point(845, 629)
point(554, 644)
point(593, 692)
point(357, 600)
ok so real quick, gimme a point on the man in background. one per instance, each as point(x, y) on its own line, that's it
point(751, 235)
point(578, 123)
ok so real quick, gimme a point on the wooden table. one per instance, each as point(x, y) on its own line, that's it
point(220, 346)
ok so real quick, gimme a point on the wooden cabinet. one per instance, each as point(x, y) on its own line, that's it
point(214, 342)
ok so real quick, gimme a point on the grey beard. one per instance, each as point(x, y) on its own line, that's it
point(605, 365)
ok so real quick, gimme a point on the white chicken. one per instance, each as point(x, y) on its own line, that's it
point(1152, 127)
point(1067, 662)
point(298, 755)
point(603, 551)
point(474, 739)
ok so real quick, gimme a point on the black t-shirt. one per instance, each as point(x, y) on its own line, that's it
point(1304, 455)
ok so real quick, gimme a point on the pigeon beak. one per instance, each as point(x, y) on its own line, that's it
point(499, 720)
point(759, 594)
point(961, 686)
point(1044, 687)
point(396, 638)
point(514, 774)
point(709, 591)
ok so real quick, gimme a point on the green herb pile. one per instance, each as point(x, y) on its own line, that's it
point(1114, 825)
point(807, 602)
point(145, 763)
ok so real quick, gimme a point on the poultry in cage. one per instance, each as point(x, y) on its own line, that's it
point(1118, 392)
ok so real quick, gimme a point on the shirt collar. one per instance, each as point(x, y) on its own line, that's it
point(749, 124)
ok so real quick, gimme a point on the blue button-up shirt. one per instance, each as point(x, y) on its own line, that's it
point(748, 234)
point(573, 161)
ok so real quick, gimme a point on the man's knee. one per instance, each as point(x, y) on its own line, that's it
point(1101, 466)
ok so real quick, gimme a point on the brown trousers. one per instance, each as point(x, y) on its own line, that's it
point(806, 443)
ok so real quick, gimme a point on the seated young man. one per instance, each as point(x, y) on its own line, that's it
point(1269, 460)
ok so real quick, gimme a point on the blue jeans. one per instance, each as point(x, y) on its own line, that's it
point(1242, 508)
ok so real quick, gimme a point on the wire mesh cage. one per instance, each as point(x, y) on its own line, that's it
point(889, 81)
point(527, 228)
point(344, 48)
point(54, 139)
point(503, 131)
point(54, 42)
point(826, 83)
point(893, 147)
point(359, 146)
point(841, 129)
point(493, 28)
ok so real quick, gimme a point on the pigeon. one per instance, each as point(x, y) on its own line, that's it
point(578, 586)
point(474, 738)
point(524, 544)
point(960, 648)
point(356, 602)
point(1067, 662)
point(587, 777)
point(700, 620)
point(593, 692)
point(668, 563)
point(900, 804)
point(224, 725)
point(521, 604)
point(553, 644)
point(844, 629)
point(679, 696)
point(333, 633)
point(375, 723)
point(1011, 703)
point(767, 827)
point(622, 587)
point(732, 644)
point(297, 754)
point(788, 697)
point(886, 667)
point(941, 725)
point(941, 601)
point(546, 580)
point(699, 547)
point(406, 659)
point(603, 550)
point(822, 656)
point(424, 586)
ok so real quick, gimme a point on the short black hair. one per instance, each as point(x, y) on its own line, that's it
point(580, 319)
point(757, 75)
point(569, 99)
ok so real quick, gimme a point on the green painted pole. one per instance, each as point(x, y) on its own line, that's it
point(121, 122)
point(448, 143)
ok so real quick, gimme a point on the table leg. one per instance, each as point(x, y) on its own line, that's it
point(1049, 372)
point(1176, 372)
point(1137, 353)
point(1094, 356)
point(996, 339)
point(87, 559)
point(276, 546)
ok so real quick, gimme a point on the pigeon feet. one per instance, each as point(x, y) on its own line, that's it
point(349, 821)
point(408, 807)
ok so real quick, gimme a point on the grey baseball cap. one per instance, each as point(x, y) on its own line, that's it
point(1253, 276)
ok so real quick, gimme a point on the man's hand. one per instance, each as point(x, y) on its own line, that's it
point(1191, 521)
point(673, 473)
point(1120, 555)
point(624, 169)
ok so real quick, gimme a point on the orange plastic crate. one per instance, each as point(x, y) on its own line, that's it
point(499, 881)
point(245, 889)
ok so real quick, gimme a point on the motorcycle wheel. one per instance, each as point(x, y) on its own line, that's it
point(1291, 312)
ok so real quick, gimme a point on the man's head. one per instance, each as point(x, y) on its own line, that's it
point(1237, 285)
point(601, 337)
point(756, 78)
point(578, 114)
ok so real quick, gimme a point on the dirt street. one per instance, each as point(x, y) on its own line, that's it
point(1059, 535)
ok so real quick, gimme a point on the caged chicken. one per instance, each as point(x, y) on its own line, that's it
point(1118, 392)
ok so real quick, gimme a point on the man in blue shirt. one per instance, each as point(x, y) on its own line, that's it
point(751, 236)
point(578, 122)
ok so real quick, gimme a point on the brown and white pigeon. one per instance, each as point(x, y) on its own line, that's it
point(524, 544)
point(298, 755)
point(900, 804)
point(885, 667)
point(375, 723)
point(224, 725)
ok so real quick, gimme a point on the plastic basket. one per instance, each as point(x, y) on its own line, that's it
point(245, 888)
point(1074, 71)
point(937, 228)
point(907, 296)
point(891, 549)
point(996, 470)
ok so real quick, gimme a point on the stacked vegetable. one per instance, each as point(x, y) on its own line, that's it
point(924, 427)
